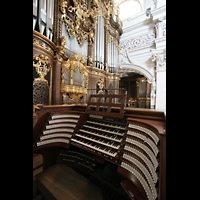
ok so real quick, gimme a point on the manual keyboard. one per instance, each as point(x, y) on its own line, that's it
point(101, 136)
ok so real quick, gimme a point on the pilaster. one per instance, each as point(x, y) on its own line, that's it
point(159, 56)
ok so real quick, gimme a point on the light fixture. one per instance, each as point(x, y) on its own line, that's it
point(148, 13)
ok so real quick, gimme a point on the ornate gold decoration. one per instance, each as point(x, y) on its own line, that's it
point(106, 67)
point(107, 14)
point(93, 71)
point(61, 49)
point(81, 36)
point(70, 26)
point(91, 35)
point(72, 64)
point(81, 24)
point(42, 42)
point(101, 85)
point(90, 60)
point(95, 11)
point(42, 66)
point(63, 6)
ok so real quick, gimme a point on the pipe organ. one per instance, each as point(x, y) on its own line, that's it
point(88, 29)
point(121, 150)
point(115, 153)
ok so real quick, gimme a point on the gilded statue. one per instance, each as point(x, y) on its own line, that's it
point(106, 67)
point(63, 41)
point(91, 35)
point(90, 61)
point(61, 49)
point(63, 6)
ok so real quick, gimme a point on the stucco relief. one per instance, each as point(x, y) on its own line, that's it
point(138, 42)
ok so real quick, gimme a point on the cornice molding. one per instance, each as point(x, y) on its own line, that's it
point(159, 12)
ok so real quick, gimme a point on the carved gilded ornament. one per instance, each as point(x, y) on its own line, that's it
point(38, 43)
point(90, 60)
point(72, 64)
point(61, 49)
point(106, 67)
point(83, 18)
point(91, 35)
point(81, 15)
point(42, 66)
point(108, 10)
point(101, 85)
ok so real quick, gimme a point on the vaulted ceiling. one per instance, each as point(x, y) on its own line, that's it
point(128, 8)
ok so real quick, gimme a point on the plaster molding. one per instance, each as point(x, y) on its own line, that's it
point(135, 22)
point(127, 65)
point(159, 55)
point(139, 42)
point(159, 12)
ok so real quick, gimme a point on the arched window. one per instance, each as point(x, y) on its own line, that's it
point(129, 8)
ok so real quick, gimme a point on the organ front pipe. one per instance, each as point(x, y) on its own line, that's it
point(102, 39)
point(116, 58)
point(112, 57)
point(96, 34)
point(102, 48)
point(100, 42)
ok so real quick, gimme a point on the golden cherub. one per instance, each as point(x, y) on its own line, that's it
point(90, 60)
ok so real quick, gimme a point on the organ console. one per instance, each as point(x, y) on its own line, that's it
point(121, 150)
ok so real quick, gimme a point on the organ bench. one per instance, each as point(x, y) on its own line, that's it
point(122, 151)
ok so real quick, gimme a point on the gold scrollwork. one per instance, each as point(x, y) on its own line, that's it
point(42, 45)
point(42, 66)
point(70, 25)
point(74, 62)
point(81, 24)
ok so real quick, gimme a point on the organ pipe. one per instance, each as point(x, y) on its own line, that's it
point(112, 57)
point(103, 18)
point(85, 30)
point(99, 45)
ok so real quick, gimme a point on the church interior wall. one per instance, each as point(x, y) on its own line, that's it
point(140, 42)
point(141, 36)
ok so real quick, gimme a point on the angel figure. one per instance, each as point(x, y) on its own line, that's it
point(91, 35)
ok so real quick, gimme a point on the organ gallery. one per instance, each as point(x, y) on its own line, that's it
point(87, 144)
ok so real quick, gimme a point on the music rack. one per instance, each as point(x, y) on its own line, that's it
point(106, 105)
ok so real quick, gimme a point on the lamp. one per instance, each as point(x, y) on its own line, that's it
point(148, 13)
